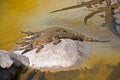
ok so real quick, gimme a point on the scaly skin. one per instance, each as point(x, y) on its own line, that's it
point(51, 35)
point(33, 35)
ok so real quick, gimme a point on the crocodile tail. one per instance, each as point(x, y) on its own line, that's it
point(101, 9)
point(68, 8)
point(87, 4)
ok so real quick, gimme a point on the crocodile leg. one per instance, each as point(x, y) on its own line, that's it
point(39, 48)
point(27, 48)
point(55, 40)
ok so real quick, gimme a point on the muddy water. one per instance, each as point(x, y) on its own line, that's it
point(12, 12)
point(35, 15)
point(17, 15)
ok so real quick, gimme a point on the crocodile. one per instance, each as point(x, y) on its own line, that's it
point(87, 4)
point(50, 35)
point(111, 5)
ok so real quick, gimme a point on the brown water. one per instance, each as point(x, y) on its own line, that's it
point(17, 15)
point(12, 12)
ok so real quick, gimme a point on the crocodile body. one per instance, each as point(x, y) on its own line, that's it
point(50, 35)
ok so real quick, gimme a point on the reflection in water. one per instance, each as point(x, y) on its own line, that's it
point(115, 74)
point(101, 72)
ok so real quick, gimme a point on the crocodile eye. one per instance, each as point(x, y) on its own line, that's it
point(23, 46)
point(28, 36)
point(64, 31)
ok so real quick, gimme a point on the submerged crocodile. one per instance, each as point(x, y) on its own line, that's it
point(111, 5)
point(39, 39)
